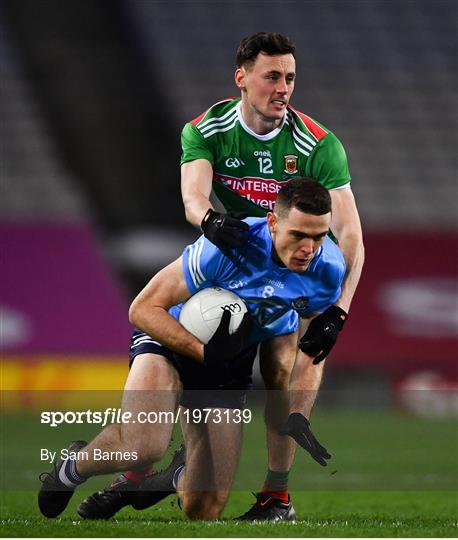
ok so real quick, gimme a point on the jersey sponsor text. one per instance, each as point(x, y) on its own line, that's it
point(261, 191)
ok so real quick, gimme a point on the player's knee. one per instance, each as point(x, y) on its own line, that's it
point(204, 505)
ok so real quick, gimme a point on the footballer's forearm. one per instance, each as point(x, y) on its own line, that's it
point(196, 206)
point(160, 325)
point(353, 251)
point(304, 384)
point(149, 311)
point(196, 185)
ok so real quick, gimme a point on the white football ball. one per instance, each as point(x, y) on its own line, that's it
point(202, 313)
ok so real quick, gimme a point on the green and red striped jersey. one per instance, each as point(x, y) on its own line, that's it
point(249, 169)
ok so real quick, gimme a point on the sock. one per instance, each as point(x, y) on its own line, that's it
point(137, 477)
point(68, 474)
point(177, 475)
point(276, 485)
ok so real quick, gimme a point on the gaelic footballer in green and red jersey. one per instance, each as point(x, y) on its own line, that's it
point(249, 169)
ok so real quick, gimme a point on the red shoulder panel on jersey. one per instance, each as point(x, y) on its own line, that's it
point(312, 126)
point(199, 118)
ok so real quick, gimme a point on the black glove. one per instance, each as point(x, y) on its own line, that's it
point(223, 347)
point(321, 335)
point(223, 230)
point(298, 427)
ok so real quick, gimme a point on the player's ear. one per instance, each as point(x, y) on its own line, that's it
point(272, 221)
point(239, 78)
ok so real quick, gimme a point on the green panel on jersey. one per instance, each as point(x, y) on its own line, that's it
point(194, 146)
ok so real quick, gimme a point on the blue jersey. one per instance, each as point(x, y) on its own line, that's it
point(275, 296)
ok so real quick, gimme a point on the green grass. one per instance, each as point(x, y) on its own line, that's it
point(391, 475)
point(322, 514)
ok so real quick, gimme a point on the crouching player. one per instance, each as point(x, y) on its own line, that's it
point(286, 268)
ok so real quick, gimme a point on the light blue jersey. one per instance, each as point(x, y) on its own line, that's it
point(275, 296)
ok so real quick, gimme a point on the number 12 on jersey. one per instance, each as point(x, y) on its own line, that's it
point(265, 165)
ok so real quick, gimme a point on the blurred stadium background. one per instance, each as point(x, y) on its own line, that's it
point(93, 97)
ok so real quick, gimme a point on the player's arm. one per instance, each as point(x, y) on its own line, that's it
point(223, 230)
point(196, 186)
point(346, 226)
point(304, 384)
point(305, 378)
point(283, 352)
point(322, 333)
point(149, 311)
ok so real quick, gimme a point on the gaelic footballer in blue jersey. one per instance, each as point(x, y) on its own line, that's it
point(299, 274)
point(276, 294)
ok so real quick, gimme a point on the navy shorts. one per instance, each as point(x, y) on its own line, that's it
point(200, 388)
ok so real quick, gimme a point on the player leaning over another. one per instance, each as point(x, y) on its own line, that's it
point(302, 271)
point(245, 149)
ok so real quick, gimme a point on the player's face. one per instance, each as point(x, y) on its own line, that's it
point(266, 87)
point(297, 237)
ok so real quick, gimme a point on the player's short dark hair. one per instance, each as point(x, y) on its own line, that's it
point(305, 194)
point(267, 42)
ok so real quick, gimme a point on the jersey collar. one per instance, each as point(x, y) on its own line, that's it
point(267, 136)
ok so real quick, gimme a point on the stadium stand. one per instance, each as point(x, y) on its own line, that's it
point(35, 181)
point(380, 74)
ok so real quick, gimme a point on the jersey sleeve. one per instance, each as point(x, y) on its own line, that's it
point(328, 163)
point(194, 146)
point(203, 265)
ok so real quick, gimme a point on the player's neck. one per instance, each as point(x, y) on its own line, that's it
point(274, 255)
point(276, 259)
point(258, 123)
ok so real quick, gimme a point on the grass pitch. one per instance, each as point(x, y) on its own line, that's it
point(321, 514)
point(391, 475)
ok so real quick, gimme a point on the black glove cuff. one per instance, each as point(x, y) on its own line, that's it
point(206, 219)
point(298, 419)
point(339, 313)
